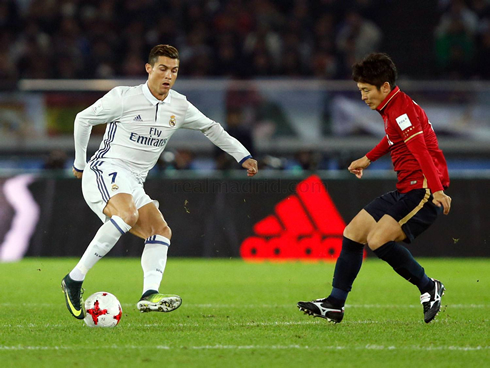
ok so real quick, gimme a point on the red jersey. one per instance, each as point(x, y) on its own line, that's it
point(412, 143)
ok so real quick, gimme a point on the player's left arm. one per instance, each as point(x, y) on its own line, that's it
point(442, 199)
point(196, 120)
point(251, 165)
point(413, 135)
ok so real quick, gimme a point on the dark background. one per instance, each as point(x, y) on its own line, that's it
point(211, 218)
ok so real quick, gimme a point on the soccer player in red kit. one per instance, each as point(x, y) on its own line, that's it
point(396, 216)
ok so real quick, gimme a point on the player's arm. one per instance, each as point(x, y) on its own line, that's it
point(106, 109)
point(418, 148)
point(442, 199)
point(196, 120)
point(413, 136)
point(357, 167)
point(251, 165)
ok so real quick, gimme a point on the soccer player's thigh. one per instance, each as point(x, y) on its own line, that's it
point(359, 227)
point(421, 218)
point(410, 215)
point(101, 183)
point(150, 221)
point(386, 227)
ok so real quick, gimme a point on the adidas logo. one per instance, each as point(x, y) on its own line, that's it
point(305, 226)
point(138, 118)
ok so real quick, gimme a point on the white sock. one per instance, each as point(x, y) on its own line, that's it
point(101, 244)
point(153, 261)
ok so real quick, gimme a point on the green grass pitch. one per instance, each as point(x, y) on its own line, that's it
point(237, 314)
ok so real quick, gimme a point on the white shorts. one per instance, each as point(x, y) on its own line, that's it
point(102, 180)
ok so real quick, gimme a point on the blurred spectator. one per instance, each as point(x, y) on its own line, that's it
point(325, 65)
point(56, 160)
point(324, 34)
point(483, 53)
point(306, 160)
point(8, 70)
point(265, 117)
point(195, 52)
point(455, 41)
point(9, 16)
point(295, 56)
point(455, 51)
point(357, 37)
point(458, 10)
point(223, 38)
point(165, 30)
point(238, 130)
point(184, 159)
point(229, 60)
point(181, 159)
point(480, 7)
point(263, 46)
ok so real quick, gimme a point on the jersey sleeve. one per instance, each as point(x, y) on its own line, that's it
point(196, 120)
point(105, 110)
point(411, 130)
point(381, 149)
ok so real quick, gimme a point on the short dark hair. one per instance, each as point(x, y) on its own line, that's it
point(375, 69)
point(162, 50)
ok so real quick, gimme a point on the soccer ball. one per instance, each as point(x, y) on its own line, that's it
point(103, 310)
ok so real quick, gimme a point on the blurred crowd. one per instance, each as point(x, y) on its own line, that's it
point(112, 38)
point(318, 39)
point(230, 38)
point(462, 39)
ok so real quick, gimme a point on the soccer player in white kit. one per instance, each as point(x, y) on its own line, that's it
point(140, 121)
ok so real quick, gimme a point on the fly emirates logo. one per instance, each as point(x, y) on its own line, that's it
point(153, 139)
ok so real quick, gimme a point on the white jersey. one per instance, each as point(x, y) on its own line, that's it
point(139, 127)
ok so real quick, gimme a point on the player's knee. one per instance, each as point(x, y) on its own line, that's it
point(130, 217)
point(164, 230)
point(348, 233)
point(374, 241)
point(352, 233)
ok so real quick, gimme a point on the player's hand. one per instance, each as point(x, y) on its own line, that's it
point(357, 167)
point(77, 174)
point(251, 166)
point(441, 199)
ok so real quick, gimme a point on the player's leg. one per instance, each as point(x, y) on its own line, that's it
point(117, 210)
point(122, 215)
point(346, 269)
point(383, 241)
point(157, 234)
point(152, 227)
point(415, 212)
point(350, 259)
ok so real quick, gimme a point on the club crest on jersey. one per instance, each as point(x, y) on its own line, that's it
point(115, 187)
point(172, 121)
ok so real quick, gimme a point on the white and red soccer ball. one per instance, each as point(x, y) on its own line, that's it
point(103, 310)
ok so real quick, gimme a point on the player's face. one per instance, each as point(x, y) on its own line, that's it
point(373, 96)
point(162, 76)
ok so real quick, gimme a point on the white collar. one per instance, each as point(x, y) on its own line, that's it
point(153, 100)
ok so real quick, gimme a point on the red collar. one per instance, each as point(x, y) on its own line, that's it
point(388, 98)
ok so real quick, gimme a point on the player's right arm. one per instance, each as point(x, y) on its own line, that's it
point(357, 167)
point(106, 109)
